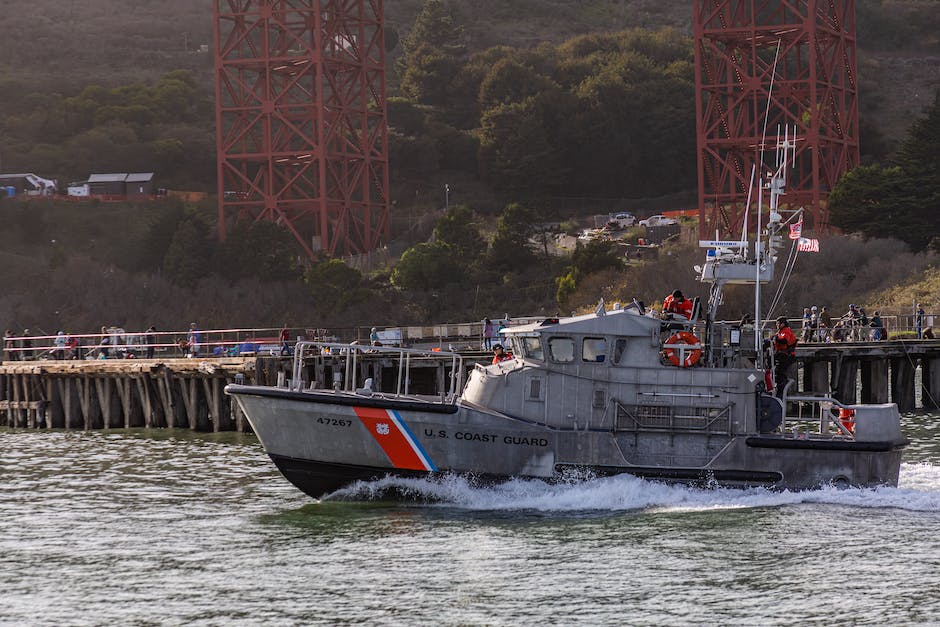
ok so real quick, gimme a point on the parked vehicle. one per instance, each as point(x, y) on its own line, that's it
point(620, 221)
point(658, 220)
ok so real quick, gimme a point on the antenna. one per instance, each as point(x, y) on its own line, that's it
point(757, 247)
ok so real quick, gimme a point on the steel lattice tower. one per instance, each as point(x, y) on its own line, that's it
point(301, 121)
point(814, 90)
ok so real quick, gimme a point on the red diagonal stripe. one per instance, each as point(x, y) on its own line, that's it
point(394, 443)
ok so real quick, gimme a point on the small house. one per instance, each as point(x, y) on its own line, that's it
point(107, 184)
point(134, 186)
point(139, 185)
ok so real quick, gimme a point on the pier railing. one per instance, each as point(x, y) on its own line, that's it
point(116, 343)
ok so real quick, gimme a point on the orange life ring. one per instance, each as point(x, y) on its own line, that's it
point(683, 358)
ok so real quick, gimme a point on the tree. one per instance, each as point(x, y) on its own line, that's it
point(433, 52)
point(428, 75)
point(509, 81)
point(896, 201)
point(512, 248)
point(187, 257)
point(426, 267)
point(262, 250)
point(919, 154)
point(522, 144)
point(437, 26)
point(587, 259)
point(334, 285)
point(458, 229)
point(595, 256)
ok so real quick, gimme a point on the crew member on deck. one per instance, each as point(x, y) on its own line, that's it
point(677, 304)
point(499, 354)
point(784, 343)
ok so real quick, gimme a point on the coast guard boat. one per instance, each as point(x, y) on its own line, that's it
point(616, 391)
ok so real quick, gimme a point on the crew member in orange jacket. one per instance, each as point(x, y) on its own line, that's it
point(676, 303)
point(499, 354)
point(784, 343)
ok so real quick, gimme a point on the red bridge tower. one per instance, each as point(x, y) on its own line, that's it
point(301, 120)
point(813, 89)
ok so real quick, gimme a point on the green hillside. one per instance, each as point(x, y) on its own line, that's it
point(63, 45)
point(561, 106)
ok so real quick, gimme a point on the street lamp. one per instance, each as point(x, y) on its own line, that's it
point(446, 197)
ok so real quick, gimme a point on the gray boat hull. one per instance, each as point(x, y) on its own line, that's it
point(322, 441)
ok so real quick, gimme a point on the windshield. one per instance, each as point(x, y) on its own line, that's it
point(594, 349)
point(561, 349)
point(533, 348)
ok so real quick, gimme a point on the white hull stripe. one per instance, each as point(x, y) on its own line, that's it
point(411, 439)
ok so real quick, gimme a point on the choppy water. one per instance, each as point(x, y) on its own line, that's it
point(171, 528)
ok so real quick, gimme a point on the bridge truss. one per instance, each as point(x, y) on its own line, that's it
point(811, 85)
point(302, 135)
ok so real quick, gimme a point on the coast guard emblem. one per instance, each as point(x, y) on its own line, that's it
point(381, 428)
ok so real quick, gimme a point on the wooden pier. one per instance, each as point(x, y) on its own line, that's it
point(188, 393)
point(873, 372)
point(172, 393)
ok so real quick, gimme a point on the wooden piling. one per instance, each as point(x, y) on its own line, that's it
point(874, 381)
point(845, 376)
point(902, 383)
point(930, 382)
point(816, 376)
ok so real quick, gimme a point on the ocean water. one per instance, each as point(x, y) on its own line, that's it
point(173, 528)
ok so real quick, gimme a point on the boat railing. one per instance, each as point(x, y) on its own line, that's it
point(819, 409)
point(349, 379)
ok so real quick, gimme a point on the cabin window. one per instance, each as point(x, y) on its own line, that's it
point(535, 389)
point(620, 348)
point(533, 348)
point(561, 349)
point(594, 349)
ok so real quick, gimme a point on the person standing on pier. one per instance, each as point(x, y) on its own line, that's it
point(825, 324)
point(784, 343)
point(193, 340)
point(104, 347)
point(877, 327)
point(27, 345)
point(58, 345)
point(72, 348)
point(919, 314)
point(487, 334)
point(285, 340)
point(805, 334)
point(151, 341)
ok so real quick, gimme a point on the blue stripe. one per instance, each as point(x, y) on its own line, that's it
point(414, 441)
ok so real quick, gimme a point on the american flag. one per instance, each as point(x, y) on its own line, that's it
point(796, 230)
point(807, 245)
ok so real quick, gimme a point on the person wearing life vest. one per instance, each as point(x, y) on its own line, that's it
point(677, 304)
point(784, 345)
point(499, 354)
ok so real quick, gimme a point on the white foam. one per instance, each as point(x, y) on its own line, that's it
point(919, 490)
